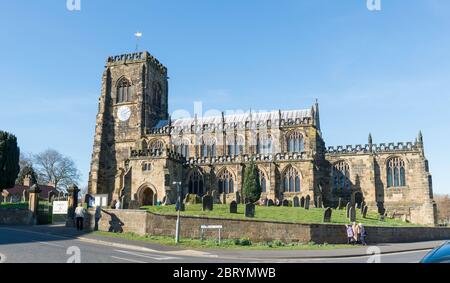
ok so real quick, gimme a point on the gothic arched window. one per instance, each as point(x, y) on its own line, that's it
point(182, 147)
point(291, 181)
point(156, 147)
point(235, 145)
point(341, 176)
point(295, 142)
point(396, 174)
point(226, 182)
point(264, 144)
point(124, 91)
point(208, 147)
point(196, 183)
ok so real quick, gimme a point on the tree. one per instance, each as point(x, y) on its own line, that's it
point(9, 160)
point(54, 168)
point(443, 205)
point(27, 171)
point(252, 185)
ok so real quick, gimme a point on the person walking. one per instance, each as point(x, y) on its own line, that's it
point(363, 234)
point(79, 215)
point(349, 230)
point(98, 215)
point(356, 232)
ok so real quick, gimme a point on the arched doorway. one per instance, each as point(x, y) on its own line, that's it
point(147, 197)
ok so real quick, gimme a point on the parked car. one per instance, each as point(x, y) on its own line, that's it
point(440, 254)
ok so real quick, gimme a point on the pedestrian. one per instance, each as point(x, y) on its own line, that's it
point(356, 232)
point(98, 215)
point(349, 230)
point(363, 234)
point(118, 204)
point(113, 204)
point(79, 215)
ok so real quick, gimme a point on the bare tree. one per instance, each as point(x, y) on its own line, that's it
point(443, 204)
point(54, 168)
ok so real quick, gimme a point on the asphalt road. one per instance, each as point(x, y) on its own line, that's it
point(22, 246)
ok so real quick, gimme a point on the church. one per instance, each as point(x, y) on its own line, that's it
point(140, 155)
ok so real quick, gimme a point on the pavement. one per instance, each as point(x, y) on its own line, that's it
point(52, 244)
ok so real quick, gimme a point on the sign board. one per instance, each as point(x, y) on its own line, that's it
point(100, 200)
point(60, 207)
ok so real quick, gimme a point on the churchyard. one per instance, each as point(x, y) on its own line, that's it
point(282, 214)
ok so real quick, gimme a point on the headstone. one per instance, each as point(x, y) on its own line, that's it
point(365, 210)
point(347, 209)
point(363, 204)
point(250, 210)
point(207, 202)
point(319, 203)
point(238, 197)
point(180, 206)
point(296, 201)
point(215, 196)
point(327, 215)
point(285, 202)
point(302, 202)
point(352, 214)
point(233, 207)
point(307, 202)
point(270, 202)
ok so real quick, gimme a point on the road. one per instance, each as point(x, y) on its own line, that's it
point(19, 245)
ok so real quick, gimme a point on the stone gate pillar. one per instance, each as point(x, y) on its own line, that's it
point(33, 203)
point(72, 204)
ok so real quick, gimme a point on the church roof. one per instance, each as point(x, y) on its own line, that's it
point(246, 117)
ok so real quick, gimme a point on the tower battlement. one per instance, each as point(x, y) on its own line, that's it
point(136, 57)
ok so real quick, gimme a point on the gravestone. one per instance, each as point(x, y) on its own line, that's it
point(215, 196)
point(365, 210)
point(270, 202)
point(296, 202)
point(285, 202)
point(327, 215)
point(319, 203)
point(341, 204)
point(250, 210)
point(352, 214)
point(233, 207)
point(307, 202)
point(207, 202)
point(302, 202)
point(347, 209)
point(363, 204)
point(180, 206)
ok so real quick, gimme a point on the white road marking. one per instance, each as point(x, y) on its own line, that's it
point(127, 259)
point(49, 244)
point(146, 256)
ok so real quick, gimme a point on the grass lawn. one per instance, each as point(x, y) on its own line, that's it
point(225, 244)
point(280, 214)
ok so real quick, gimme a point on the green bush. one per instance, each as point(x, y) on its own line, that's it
point(243, 242)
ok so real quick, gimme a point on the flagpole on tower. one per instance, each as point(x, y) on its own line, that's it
point(138, 36)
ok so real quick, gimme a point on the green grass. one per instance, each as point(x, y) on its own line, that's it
point(281, 214)
point(19, 205)
point(225, 244)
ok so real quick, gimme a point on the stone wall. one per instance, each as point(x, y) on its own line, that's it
point(15, 217)
point(142, 222)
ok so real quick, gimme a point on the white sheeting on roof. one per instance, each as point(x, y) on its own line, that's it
point(242, 118)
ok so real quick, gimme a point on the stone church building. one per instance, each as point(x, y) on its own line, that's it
point(140, 154)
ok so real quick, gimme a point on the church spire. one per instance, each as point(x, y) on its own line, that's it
point(317, 115)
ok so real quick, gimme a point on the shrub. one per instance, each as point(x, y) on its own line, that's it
point(252, 185)
point(192, 199)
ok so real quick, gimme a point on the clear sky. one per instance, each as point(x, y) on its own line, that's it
point(385, 72)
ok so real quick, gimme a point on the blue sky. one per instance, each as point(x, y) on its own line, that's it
point(384, 72)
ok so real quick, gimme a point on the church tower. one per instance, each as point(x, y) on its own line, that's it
point(134, 99)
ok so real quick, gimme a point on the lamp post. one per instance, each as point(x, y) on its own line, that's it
point(178, 206)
